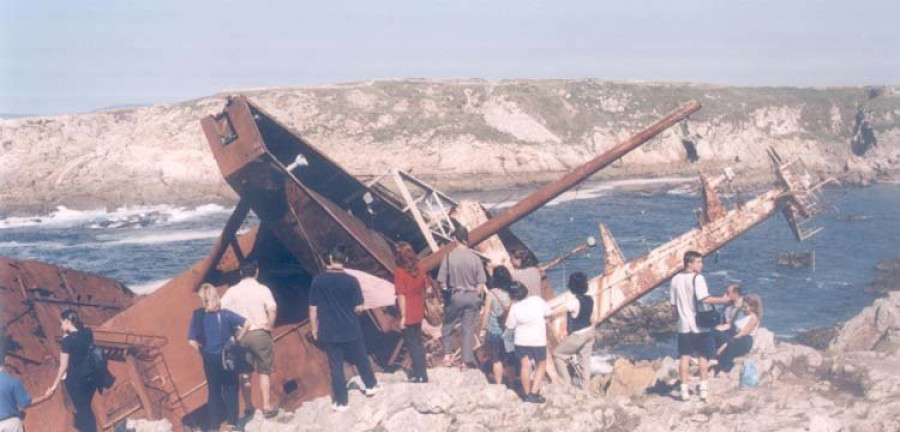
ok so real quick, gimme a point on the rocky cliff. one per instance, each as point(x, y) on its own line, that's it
point(852, 386)
point(456, 133)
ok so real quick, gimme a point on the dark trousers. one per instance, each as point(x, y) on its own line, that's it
point(222, 389)
point(354, 352)
point(412, 337)
point(81, 392)
point(462, 309)
point(736, 347)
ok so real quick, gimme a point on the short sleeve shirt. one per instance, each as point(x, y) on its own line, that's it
point(251, 300)
point(529, 319)
point(335, 294)
point(531, 278)
point(217, 327)
point(412, 288)
point(77, 345)
point(463, 269)
point(683, 295)
point(13, 397)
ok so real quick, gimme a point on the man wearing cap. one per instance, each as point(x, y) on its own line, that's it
point(13, 399)
point(253, 301)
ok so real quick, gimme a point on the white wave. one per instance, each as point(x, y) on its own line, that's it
point(128, 216)
point(159, 238)
point(38, 244)
point(148, 287)
point(598, 189)
point(601, 364)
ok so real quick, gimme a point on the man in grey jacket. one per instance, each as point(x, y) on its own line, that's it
point(462, 274)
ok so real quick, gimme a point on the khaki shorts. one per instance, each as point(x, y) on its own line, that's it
point(259, 349)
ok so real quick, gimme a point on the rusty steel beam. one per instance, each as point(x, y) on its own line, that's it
point(554, 189)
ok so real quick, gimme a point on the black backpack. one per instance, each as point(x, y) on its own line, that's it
point(98, 369)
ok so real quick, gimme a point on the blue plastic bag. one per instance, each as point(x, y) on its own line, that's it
point(749, 375)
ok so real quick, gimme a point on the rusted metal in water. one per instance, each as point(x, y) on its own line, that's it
point(555, 188)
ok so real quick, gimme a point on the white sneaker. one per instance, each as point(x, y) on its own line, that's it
point(369, 392)
point(685, 395)
point(703, 392)
point(338, 408)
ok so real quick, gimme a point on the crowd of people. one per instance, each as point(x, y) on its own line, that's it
point(501, 308)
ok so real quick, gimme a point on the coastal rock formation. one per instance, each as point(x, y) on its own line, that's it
point(522, 131)
point(853, 388)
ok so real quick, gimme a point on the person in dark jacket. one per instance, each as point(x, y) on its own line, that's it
point(75, 369)
point(335, 300)
point(211, 329)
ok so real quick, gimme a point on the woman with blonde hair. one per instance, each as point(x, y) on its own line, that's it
point(211, 330)
point(744, 330)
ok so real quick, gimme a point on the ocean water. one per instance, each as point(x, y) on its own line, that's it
point(145, 246)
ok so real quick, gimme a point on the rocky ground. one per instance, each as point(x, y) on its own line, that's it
point(853, 385)
point(523, 131)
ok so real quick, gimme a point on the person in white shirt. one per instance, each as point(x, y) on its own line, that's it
point(528, 317)
point(253, 301)
point(687, 292)
point(580, 340)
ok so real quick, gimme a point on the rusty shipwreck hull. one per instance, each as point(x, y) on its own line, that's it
point(623, 282)
point(32, 296)
point(306, 203)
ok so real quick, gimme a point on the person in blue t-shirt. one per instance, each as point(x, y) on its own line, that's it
point(211, 329)
point(13, 399)
point(335, 299)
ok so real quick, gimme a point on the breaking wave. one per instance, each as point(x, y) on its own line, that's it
point(123, 217)
point(148, 287)
point(159, 238)
point(599, 189)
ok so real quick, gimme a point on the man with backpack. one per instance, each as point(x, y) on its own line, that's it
point(696, 317)
point(254, 301)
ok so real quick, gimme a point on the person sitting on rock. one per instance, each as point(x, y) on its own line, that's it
point(724, 331)
point(528, 317)
point(335, 300)
point(496, 306)
point(580, 308)
point(740, 340)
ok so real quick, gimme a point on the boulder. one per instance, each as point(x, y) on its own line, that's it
point(629, 379)
point(871, 326)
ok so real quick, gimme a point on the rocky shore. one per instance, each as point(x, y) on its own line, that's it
point(851, 386)
point(523, 131)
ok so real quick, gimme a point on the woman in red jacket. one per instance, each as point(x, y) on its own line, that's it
point(410, 282)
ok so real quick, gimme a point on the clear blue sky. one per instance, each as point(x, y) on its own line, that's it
point(75, 55)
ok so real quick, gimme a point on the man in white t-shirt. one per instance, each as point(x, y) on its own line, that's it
point(689, 288)
point(253, 301)
point(528, 317)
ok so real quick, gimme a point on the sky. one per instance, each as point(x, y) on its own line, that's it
point(80, 55)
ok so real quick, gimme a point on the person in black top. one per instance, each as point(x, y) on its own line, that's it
point(579, 308)
point(335, 299)
point(77, 342)
point(211, 329)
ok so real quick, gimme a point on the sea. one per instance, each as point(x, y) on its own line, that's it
point(145, 246)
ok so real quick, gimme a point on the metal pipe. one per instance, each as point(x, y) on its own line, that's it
point(591, 242)
point(552, 190)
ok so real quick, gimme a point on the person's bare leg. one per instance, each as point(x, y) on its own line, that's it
point(264, 386)
point(525, 375)
point(704, 373)
point(246, 391)
point(684, 364)
point(539, 372)
point(498, 372)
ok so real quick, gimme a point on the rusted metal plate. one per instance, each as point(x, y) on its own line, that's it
point(32, 296)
